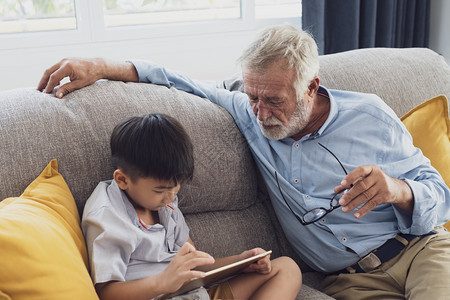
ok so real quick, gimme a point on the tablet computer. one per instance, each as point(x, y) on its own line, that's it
point(216, 275)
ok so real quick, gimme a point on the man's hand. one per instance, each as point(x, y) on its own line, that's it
point(83, 72)
point(262, 266)
point(181, 268)
point(370, 186)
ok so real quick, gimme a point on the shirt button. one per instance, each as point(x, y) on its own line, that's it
point(296, 180)
point(344, 239)
point(297, 145)
point(307, 197)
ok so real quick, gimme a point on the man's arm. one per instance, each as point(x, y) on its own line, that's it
point(236, 103)
point(421, 200)
point(149, 72)
point(84, 72)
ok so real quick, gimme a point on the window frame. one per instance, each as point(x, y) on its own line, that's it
point(91, 28)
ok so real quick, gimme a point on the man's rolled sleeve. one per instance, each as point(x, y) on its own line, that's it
point(431, 207)
point(149, 72)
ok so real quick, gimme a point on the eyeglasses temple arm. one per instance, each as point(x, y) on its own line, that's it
point(279, 188)
point(334, 157)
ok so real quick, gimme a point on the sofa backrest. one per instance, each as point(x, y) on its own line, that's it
point(220, 203)
point(403, 78)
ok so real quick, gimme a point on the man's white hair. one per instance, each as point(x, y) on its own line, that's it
point(288, 46)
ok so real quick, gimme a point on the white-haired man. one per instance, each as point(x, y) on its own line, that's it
point(319, 150)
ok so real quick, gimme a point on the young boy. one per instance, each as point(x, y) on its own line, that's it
point(137, 238)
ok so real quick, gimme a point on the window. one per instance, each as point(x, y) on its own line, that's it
point(269, 9)
point(135, 12)
point(107, 20)
point(29, 16)
point(34, 34)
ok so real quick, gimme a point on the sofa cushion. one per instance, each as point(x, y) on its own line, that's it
point(429, 126)
point(403, 78)
point(3, 296)
point(42, 246)
point(76, 130)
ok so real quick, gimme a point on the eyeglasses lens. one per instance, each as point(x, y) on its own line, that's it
point(314, 215)
point(335, 201)
point(317, 213)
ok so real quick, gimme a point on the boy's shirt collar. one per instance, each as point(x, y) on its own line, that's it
point(164, 213)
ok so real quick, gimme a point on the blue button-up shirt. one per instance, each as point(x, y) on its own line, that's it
point(360, 130)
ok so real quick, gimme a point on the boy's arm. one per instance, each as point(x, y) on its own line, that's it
point(180, 269)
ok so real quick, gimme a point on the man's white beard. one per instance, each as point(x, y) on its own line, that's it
point(297, 122)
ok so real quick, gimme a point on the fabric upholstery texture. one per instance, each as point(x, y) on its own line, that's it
point(226, 205)
point(77, 128)
point(429, 126)
point(42, 244)
point(403, 78)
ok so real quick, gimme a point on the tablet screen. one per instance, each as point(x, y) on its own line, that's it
point(216, 275)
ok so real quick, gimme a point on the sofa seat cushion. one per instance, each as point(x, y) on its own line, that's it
point(42, 247)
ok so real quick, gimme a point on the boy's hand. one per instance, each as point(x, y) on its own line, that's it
point(181, 268)
point(262, 266)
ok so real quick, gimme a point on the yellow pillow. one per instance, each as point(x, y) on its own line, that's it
point(42, 249)
point(429, 126)
point(4, 296)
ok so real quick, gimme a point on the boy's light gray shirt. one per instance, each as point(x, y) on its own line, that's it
point(119, 247)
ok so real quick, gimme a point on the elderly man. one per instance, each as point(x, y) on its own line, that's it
point(355, 198)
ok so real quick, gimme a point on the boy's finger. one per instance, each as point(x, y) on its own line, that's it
point(198, 261)
point(196, 274)
point(186, 248)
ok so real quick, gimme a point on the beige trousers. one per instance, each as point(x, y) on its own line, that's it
point(421, 271)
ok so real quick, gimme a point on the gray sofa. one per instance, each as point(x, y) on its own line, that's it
point(225, 204)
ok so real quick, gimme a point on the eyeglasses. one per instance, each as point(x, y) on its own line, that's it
point(316, 214)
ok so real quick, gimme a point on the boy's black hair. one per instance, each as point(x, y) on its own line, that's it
point(152, 145)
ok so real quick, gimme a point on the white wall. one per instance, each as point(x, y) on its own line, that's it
point(440, 28)
point(201, 56)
